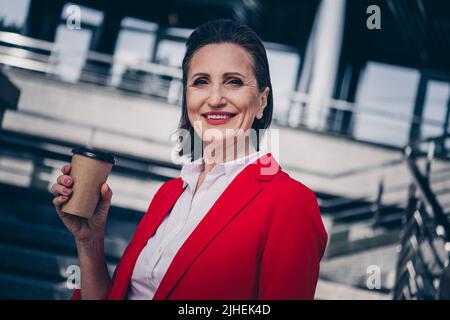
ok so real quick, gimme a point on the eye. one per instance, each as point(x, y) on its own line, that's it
point(235, 82)
point(199, 82)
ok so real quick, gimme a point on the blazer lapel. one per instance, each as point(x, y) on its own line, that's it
point(146, 228)
point(227, 206)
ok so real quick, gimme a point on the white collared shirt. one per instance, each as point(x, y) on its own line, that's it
point(188, 211)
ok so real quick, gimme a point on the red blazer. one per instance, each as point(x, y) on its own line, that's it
point(262, 239)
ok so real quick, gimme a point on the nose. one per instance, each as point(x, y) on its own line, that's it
point(216, 98)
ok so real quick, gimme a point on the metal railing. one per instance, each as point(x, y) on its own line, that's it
point(303, 100)
point(423, 262)
point(143, 77)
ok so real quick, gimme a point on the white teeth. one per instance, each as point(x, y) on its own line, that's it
point(217, 116)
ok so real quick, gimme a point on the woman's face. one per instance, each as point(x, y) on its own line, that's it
point(222, 92)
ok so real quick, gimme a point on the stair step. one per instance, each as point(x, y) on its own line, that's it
point(355, 268)
point(44, 215)
point(362, 213)
point(359, 239)
point(13, 286)
point(34, 236)
point(33, 262)
point(340, 204)
point(26, 200)
point(38, 263)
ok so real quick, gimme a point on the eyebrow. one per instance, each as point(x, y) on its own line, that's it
point(226, 74)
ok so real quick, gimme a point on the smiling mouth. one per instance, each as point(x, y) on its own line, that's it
point(218, 118)
point(218, 115)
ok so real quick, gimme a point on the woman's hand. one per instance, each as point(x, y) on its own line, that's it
point(84, 230)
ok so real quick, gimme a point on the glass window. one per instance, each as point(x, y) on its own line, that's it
point(170, 53)
point(385, 104)
point(13, 13)
point(88, 15)
point(435, 108)
point(283, 67)
point(134, 44)
point(73, 46)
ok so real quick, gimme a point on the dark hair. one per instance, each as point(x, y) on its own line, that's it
point(228, 31)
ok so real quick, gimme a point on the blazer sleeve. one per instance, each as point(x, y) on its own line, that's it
point(296, 241)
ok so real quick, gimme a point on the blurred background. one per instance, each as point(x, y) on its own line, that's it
point(362, 105)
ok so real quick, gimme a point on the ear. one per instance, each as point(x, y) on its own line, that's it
point(263, 102)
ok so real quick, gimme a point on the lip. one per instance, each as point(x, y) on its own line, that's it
point(219, 113)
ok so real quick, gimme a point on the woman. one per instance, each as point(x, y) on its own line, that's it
point(233, 225)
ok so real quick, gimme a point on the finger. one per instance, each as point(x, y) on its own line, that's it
point(60, 190)
point(66, 169)
point(58, 201)
point(53, 189)
point(65, 180)
point(105, 200)
point(106, 192)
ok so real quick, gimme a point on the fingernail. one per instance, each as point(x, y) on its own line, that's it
point(67, 180)
point(66, 191)
point(63, 198)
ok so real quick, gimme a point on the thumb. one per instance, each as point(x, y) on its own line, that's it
point(105, 199)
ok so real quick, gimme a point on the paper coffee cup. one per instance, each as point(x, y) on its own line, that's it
point(90, 169)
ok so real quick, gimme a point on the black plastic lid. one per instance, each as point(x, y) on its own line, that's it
point(102, 156)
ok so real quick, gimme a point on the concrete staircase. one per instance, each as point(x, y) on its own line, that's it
point(36, 250)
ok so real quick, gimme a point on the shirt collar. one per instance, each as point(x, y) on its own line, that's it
point(234, 167)
point(191, 171)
